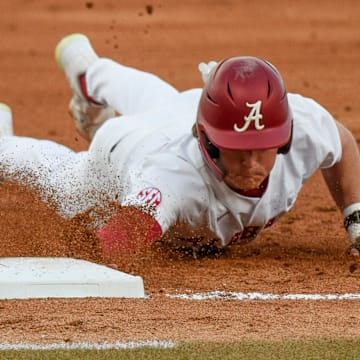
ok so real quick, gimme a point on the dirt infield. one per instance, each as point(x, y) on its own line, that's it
point(317, 49)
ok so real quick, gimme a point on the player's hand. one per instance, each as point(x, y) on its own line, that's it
point(354, 248)
point(205, 69)
point(129, 230)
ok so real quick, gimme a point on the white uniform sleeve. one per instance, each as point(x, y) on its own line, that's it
point(315, 133)
point(176, 191)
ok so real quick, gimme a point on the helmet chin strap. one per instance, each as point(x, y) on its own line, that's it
point(220, 166)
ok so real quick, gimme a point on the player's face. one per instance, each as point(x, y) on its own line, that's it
point(246, 169)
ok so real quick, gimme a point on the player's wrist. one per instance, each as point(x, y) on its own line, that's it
point(351, 216)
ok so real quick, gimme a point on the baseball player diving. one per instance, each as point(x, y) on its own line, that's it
point(231, 157)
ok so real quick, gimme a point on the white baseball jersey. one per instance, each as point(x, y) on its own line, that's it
point(148, 156)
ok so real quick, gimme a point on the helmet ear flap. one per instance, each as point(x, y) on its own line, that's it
point(285, 148)
point(211, 149)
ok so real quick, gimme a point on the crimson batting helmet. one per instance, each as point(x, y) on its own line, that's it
point(243, 106)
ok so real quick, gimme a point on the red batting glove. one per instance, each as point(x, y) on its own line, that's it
point(128, 230)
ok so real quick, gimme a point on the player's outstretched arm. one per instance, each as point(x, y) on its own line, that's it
point(342, 180)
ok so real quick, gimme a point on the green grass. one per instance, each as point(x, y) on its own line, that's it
point(295, 350)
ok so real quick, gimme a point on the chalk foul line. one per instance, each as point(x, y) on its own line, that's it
point(188, 295)
point(88, 345)
point(230, 295)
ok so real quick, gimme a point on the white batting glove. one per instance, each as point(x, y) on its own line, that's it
point(352, 225)
point(205, 69)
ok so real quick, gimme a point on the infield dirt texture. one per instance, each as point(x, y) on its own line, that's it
point(316, 47)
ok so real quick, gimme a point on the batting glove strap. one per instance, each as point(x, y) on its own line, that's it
point(352, 225)
point(353, 218)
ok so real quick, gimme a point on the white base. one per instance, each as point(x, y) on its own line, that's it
point(54, 277)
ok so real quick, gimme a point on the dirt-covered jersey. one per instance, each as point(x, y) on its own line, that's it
point(149, 157)
point(158, 162)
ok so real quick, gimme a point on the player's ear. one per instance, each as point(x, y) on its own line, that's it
point(211, 149)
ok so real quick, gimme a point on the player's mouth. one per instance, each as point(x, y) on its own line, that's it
point(245, 182)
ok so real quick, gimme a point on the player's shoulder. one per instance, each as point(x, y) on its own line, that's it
point(307, 113)
point(315, 132)
point(301, 102)
point(311, 121)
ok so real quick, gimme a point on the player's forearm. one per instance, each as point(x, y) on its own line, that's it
point(342, 179)
point(343, 182)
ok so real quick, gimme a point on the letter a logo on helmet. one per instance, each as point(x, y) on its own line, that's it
point(254, 115)
point(243, 106)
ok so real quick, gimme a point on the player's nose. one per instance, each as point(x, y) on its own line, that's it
point(246, 158)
